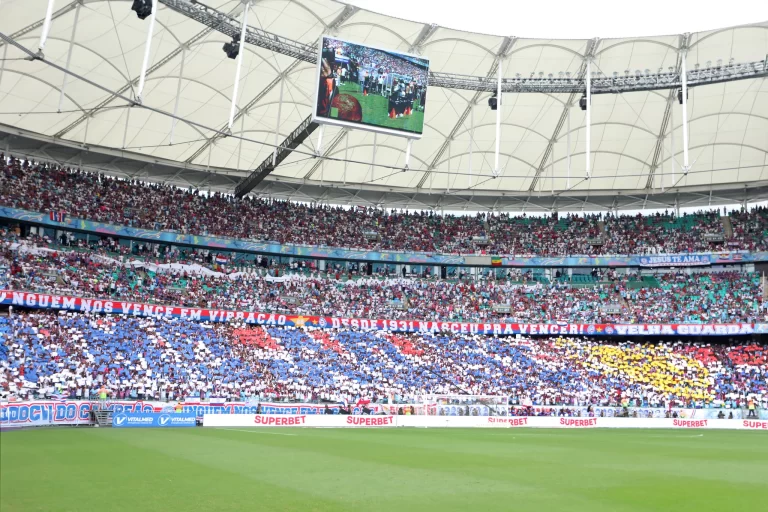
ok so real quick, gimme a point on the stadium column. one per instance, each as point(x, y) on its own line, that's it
point(684, 77)
point(471, 141)
point(178, 92)
point(408, 154)
point(69, 56)
point(319, 149)
point(147, 49)
point(498, 120)
point(673, 156)
point(373, 157)
point(238, 67)
point(46, 27)
point(346, 153)
point(568, 143)
point(552, 168)
point(2, 63)
point(277, 126)
point(589, 112)
point(127, 122)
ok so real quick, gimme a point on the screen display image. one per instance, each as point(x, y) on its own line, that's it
point(369, 88)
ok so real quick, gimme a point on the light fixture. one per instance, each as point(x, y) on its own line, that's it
point(680, 95)
point(232, 49)
point(143, 8)
point(493, 102)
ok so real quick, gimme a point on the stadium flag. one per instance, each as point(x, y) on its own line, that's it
point(495, 261)
point(57, 216)
point(221, 260)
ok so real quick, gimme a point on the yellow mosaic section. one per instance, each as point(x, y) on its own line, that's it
point(656, 366)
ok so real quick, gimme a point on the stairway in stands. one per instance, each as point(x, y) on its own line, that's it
point(103, 417)
point(727, 227)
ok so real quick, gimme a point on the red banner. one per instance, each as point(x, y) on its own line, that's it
point(107, 306)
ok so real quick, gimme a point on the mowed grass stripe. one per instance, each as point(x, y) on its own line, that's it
point(379, 469)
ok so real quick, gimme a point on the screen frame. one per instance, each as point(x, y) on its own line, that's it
point(353, 125)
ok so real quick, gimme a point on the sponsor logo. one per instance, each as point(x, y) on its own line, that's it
point(288, 421)
point(164, 420)
point(120, 419)
point(572, 422)
point(366, 421)
point(512, 422)
point(689, 423)
point(759, 425)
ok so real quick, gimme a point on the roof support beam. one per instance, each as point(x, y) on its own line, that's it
point(658, 150)
point(244, 111)
point(588, 54)
point(506, 46)
point(601, 85)
point(34, 26)
point(328, 150)
point(291, 142)
point(147, 51)
point(129, 86)
point(426, 32)
point(343, 16)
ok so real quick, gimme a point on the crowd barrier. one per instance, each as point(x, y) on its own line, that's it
point(106, 306)
point(77, 412)
point(336, 421)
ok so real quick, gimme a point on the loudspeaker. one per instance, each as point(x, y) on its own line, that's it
point(368, 269)
point(443, 272)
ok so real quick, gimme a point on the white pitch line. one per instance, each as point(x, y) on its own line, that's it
point(257, 432)
point(664, 436)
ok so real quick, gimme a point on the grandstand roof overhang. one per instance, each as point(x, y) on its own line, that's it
point(451, 166)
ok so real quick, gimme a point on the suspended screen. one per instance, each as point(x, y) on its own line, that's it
point(371, 89)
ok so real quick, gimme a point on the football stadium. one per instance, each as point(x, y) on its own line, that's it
point(299, 255)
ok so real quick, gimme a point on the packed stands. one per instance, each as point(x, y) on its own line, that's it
point(47, 353)
point(45, 187)
point(750, 230)
point(607, 297)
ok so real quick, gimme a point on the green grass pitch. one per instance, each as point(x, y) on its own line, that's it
point(372, 470)
point(375, 110)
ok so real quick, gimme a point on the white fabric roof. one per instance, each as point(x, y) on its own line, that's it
point(728, 122)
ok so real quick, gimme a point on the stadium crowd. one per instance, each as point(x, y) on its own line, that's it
point(43, 354)
point(49, 188)
point(611, 297)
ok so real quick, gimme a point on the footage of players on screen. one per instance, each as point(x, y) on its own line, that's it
point(378, 88)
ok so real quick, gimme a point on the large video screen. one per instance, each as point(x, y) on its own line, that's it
point(371, 89)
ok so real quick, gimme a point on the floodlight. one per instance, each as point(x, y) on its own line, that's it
point(143, 8)
point(232, 49)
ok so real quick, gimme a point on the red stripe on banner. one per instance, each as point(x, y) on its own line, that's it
point(106, 306)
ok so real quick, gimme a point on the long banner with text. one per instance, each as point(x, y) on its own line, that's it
point(77, 412)
point(108, 306)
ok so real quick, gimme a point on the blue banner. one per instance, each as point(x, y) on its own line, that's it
point(153, 420)
point(303, 251)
